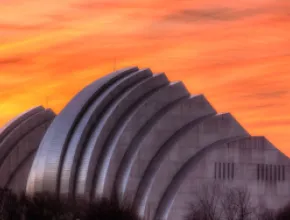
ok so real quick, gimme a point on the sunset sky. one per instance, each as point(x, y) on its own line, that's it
point(237, 53)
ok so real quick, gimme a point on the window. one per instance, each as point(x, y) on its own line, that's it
point(223, 170)
point(258, 172)
point(271, 173)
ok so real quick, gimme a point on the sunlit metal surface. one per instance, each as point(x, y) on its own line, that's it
point(89, 121)
point(147, 144)
point(45, 168)
point(112, 117)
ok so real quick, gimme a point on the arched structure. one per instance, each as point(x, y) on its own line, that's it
point(136, 135)
point(19, 140)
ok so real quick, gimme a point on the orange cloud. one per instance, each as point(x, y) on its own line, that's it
point(236, 53)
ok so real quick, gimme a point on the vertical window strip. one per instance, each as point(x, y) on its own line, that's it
point(275, 173)
point(224, 170)
point(266, 172)
point(283, 172)
point(258, 171)
point(233, 168)
point(262, 171)
point(229, 170)
point(215, 170)
point(279, 173)
point(270, 172)
point(220, 170)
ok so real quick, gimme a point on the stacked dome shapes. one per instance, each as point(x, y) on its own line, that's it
point(131, 134)
point(19, 140)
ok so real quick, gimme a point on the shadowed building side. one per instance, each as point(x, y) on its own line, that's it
point(251, 162)
point(20, 140)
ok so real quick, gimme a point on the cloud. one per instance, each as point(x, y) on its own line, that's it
point(32, 27)
point(212, 14)
point(274, 94)
point(13, 60)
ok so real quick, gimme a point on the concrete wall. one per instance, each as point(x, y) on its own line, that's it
point(244, 156)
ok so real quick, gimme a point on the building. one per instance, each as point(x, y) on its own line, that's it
point(135, 135)
point(19, 141)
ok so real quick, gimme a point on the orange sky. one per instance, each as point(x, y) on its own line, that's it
point(237, 53)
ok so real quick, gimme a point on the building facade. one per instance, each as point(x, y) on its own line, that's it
point(136, 135)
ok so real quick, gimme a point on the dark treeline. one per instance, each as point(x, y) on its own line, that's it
point(45, 206)
point(208, 204)
point(215, 202)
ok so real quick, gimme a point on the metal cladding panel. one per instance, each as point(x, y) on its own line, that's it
point(18, 177)
point(142, 150)
point(20, 153)
point(24, 136)
point(107, 122)
point(132, 147)
point(20, 147)
point(7, 128)
point(161, 101)
point(21, 130)
point(192, 110)
point(218, 129)
point(122, 110)
point(91, 119)
point(171, 191)
point(52, 148)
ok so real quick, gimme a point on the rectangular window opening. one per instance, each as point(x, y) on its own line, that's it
point(275, 173)
point(270, 172)
point(220, 170)
point(229, 170)
point(232, 171)
point(224, 170)
point(258, 171)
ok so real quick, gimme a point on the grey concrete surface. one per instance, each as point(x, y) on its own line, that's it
point(246, 154)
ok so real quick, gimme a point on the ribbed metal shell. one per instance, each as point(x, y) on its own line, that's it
point(123, 134)
point(19, 140)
